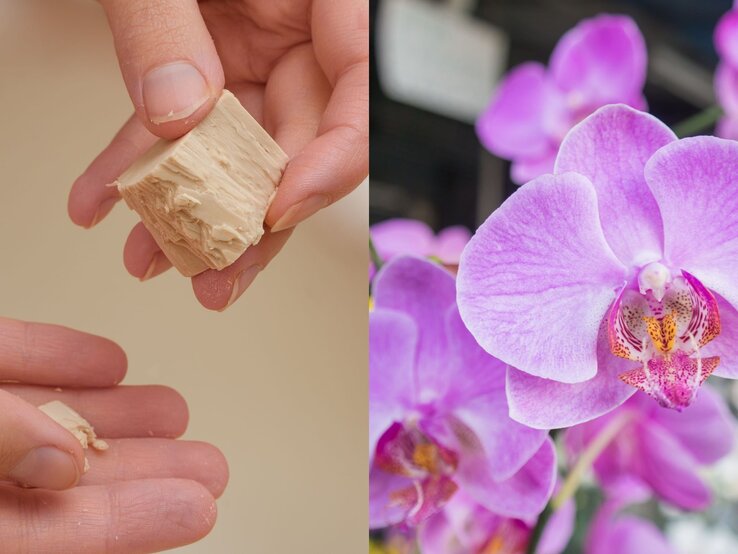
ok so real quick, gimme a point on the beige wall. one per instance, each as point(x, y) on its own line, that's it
point(278, 382)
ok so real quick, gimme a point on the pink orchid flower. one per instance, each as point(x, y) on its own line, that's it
point(600, 61)
point(663, 450)
point(438, 419)
point(396, 237)
point(614, 531)
point(616, 273)
point(465, 527)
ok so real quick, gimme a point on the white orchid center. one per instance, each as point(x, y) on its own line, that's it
point(654, 277)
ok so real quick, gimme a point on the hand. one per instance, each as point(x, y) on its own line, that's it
point(146, 493)
point(299, 66)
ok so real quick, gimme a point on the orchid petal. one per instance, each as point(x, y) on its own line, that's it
point(462, 527)
point(395, 237)
point(727, 127)
point(537, 279)
point(670, 469)
point(450, 242)
point(438, 536)
point(476, 396)
point(514, 123)
point(424, 291)
point(522, 496)
point(602, 60)
point(626, 533)
point(726, 37)
point(568, 404)
point(694, 182)
point(705, 429)
point(611, 148)
point(383, 509)
point(615, 466)
point(392, 340)
point(558, 531)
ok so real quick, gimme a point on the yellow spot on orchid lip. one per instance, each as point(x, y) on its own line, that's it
point(495, 545)
point(371, 303)
point(426, 456)
point(662, 331)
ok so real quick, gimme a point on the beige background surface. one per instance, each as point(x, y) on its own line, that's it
point(278, 382)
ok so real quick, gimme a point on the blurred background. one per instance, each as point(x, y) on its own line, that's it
point(278, 382)
point(435, 64)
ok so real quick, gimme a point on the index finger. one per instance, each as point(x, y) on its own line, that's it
point(42, 354)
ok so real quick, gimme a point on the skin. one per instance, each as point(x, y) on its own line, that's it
point(148, 492)
point(299, 66)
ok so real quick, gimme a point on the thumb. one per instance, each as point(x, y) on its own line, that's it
point(168, 60)
point(35, 451)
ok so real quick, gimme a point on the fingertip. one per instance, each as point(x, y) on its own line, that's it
point(116, 364)
point(218, 290)
point(175, 407)
point(101, 361)
point(182, 511)
point(49, 467)
point(194, 507)
point(213, 289)
point(92, 197)
point(215, 468)
point(92, 361)
point(87, 208)
point(142, 257)
point(78, 213)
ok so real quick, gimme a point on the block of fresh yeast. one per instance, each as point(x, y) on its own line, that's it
point(204, 196)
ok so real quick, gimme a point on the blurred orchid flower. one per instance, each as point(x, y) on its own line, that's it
point(395, 237)
point(615, 532)
point(661, 449)
point(600, 61)
point(726, 75)
point(465, 527)
point(614, 274)
point(438, 418)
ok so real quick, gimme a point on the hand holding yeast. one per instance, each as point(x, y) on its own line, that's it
point(300, 68)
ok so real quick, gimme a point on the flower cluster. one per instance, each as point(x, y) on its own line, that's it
point(599, 298)
point(395, 237)
point(438, 413)
point(600, 61)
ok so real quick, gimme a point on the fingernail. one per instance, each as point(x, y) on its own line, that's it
point(46, 467)
point(242, 282)
point(158, 263)
point(173, 91)
point(103, 210)
point(300, 212)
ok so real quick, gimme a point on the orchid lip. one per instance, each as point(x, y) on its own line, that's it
point(406, 451)
point(663, 325)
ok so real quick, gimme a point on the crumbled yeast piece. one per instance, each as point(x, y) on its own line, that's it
point(75, 424)
point(204, 196)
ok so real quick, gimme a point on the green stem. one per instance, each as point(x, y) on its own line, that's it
point(374, 255)
point(698, 122)
point(577, 473)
